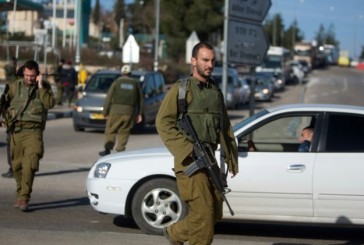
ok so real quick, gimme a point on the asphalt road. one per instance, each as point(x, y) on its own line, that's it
point(60, 211)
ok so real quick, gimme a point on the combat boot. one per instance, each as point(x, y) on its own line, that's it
point(104, 153)
point(23, 205)
point(9, 174)
point(166, 235)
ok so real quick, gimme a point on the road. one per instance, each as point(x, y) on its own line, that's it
point(60, 212)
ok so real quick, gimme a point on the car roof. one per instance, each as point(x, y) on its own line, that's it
point(133, 72)
point(317, 107)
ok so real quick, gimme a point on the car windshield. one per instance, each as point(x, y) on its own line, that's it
point(248, 120)
point(139, 77)
point(100, 83)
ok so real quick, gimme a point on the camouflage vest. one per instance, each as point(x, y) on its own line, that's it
point(34, 110)
point(205, 110)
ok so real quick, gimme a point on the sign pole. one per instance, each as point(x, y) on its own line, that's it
point(224, 58)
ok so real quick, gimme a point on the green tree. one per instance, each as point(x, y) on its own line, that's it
point(180, 17)
point(274, 28)
point(292, 35)
point(326, 37)
point(362, 53)
point(119, 11)
point(96, 13)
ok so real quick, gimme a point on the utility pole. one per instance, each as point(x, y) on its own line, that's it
point(156, 44)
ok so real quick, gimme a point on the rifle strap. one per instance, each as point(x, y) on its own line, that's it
point(182, 104)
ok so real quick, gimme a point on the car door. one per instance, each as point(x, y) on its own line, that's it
point(274, 180)
point(149, 98)
point(338, 187)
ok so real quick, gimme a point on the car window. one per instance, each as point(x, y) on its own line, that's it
point(159, 83)
point(149, 86)
point(345, 133)
point(279, 135)
point(100, 83)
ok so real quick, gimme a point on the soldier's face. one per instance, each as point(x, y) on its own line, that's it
point(29, 76)
point(204, 63)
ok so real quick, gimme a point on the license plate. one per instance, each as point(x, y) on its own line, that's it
point(97, 116)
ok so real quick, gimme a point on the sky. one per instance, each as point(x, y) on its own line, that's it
point(347, 17)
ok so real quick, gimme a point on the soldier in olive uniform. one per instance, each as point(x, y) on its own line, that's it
point(206, 108)
point(29, 99)
point(123, 99)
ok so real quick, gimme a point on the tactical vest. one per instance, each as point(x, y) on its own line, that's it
point(34, 111)
point(126, 92)
point(205, 110)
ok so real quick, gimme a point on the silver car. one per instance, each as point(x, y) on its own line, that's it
point(88, 112)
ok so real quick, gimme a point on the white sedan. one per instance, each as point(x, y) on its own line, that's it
point(275, 183)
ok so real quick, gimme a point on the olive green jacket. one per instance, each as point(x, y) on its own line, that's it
point(44, 95)
point(177, 143)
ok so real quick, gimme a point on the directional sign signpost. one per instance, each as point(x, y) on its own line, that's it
point(245, 39)
point(247, 43)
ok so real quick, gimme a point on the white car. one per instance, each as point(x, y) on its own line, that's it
point(275, 182)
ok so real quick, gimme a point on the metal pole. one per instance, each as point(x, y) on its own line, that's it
point(54, 25)
point(156, 45)
point(78, 44)
point(14, 17)
point(224, 58)
point(64, 23)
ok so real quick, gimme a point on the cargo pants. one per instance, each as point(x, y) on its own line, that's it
point(26, 150)
point(118, 128)
point(205, 209)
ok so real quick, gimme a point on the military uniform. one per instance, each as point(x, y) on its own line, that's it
point(207, 112)
point(123, 100)
point(26, 131)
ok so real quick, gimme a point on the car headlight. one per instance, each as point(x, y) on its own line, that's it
point(101, 170)
point(265, 91)
point(79, 109)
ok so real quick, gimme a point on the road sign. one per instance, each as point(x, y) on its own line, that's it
point(254, 10)
point(190, 43)
point(247, 43)
point(131, 50)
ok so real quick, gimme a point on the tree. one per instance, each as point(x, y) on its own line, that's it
point(96, 13)
point(292, 35)
point(119, 11)
point(362, 53)
point(275, 30)
point(326, 37)
point(180, 17)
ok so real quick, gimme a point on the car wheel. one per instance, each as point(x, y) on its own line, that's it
point(156, 204)
point(77, 128)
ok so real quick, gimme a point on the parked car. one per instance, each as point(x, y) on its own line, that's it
point(237, 92)
point(264, 86)
point(276, 183)
point(88, 110)
point(297, 74)
point(276, 77)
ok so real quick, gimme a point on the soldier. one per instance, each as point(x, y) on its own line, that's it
point(29, 99)
point(59, 95)
point(123, 99)
point(206, 108)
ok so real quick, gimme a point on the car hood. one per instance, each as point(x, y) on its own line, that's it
point(138, 164)
point(92, 101)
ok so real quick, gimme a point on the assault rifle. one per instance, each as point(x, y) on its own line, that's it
point(3, 103)
point(204, 158)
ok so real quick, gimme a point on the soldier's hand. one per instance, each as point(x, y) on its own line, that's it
point(139, 119)
point(39, 80)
